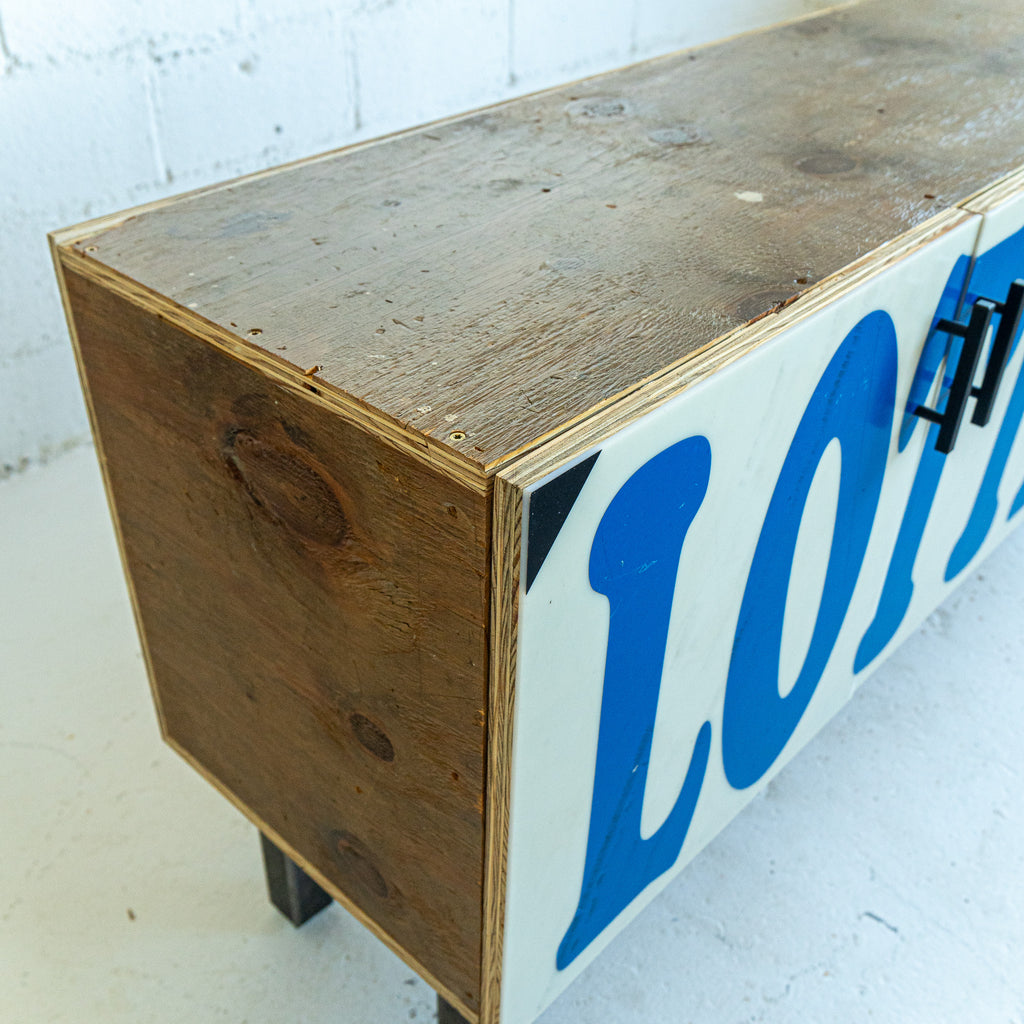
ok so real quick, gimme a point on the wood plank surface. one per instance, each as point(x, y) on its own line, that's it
point(314, 603)
point(489, 279)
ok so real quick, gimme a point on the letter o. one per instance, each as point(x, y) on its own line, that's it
point(853, 402)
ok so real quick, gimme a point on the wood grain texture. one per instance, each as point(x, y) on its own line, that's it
point(699, 366)
point(505, 565)
point(433, 454)
point(488, 280)
point(314, 605)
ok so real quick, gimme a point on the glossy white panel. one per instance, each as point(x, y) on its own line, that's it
point(749, 413)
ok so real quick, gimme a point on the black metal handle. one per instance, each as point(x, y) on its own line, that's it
point(973, 333)
point(1009, 311)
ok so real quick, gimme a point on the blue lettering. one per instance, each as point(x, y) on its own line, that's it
point(854, 403)
point(898, 588)
point(634, 560)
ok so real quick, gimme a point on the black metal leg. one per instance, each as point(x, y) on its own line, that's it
point(291, 890)
point(447, 1014)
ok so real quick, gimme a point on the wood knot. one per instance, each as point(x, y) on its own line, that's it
point(288, 488)
point(599, 108)
point(360, 874)
point(372, 736)
point(829, 162)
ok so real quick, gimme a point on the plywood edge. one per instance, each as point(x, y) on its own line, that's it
point(996, 194)
point(409, 441)
point(336, 894)
point(107, 487)
point(505, 558)
point(602, 421)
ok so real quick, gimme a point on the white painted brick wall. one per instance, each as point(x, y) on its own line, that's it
point(105, 104)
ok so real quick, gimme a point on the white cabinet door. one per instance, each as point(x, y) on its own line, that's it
point(701, 591)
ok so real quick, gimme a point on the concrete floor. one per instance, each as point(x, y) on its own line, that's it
point(880, 877)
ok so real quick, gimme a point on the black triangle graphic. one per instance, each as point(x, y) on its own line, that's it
point(550, 506)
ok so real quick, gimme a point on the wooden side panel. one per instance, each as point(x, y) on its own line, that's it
point(314, 605)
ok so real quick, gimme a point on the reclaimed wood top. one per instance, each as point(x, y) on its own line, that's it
point(487, 280)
